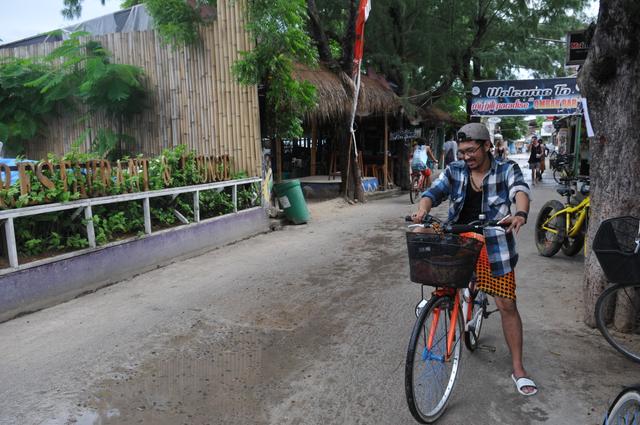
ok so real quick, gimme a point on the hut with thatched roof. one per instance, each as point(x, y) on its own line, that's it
point(316, 154)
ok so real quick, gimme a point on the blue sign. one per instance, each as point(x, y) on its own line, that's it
point(555, 96)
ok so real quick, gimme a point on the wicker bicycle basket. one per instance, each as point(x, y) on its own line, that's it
point(442, 260)
point(615, 246)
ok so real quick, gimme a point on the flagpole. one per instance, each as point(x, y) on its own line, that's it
point(353, 112)
point(363, 14)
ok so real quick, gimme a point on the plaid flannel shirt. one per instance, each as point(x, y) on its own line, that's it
point(500, 186)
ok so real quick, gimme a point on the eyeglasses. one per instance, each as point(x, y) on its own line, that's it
point(469, 152)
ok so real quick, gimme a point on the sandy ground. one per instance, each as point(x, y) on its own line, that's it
point(307, 325)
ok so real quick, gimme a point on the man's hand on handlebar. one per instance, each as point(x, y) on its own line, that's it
point(419, 215)
point(512, 223)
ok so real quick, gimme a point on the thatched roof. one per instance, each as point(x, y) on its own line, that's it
point(433, 115)
point(376, 97)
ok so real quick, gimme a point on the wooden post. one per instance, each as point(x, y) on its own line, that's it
point(12, 249)
point(386, 150)
point(234, 197)
point(91, 233)
point(196, 206)
point(146, 209)
point(314, 146)
point(278, 160)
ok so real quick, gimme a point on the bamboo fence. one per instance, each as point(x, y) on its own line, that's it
point(193, 96)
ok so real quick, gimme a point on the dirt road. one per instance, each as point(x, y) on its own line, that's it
point(308, 325)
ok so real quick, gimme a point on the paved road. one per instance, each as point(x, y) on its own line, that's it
point(307, 325)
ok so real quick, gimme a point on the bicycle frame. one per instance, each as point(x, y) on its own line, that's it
point(451, 333)
point(581, 210)
point(421, 180)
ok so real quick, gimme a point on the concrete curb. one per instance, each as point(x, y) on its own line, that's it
point(45, 285)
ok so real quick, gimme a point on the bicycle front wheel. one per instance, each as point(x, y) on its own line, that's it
point(625, 409)
point(618, 319)
point(430, 374)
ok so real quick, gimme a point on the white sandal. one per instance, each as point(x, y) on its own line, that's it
point(524, 382)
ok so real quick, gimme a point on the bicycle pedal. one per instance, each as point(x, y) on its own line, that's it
point(489, 313)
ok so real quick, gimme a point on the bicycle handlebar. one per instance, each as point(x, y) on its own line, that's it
point(428, 221)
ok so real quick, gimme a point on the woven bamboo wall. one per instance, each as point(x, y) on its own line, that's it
point(194, 99)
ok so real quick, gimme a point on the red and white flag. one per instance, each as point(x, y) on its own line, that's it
point(363, 15)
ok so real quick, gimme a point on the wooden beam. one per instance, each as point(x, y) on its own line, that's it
point(386, 150)
point(278, 160)
point(314, 146)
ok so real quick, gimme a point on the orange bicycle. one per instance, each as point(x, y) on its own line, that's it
point(446, 259)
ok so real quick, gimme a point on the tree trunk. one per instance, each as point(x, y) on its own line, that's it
point(351, 185)
point(610, 82)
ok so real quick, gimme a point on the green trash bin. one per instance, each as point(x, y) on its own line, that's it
point(292, 201)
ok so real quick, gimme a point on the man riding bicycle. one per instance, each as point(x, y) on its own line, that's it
point(481, 185)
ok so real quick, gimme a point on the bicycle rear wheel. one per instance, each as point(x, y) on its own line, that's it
point(414, 191)
point(618, 319)
point(475, 320)
point(625, 409)
point(429, 375)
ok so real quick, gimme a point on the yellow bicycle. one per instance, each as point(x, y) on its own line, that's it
point(561, 226)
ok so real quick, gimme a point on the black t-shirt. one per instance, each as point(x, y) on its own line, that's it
point(472, 207)
point(535, 151)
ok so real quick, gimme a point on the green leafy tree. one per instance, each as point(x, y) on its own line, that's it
point(513, 128)
point(82, 71)
point(278, 27)
point(22, 107)
point(426, 47)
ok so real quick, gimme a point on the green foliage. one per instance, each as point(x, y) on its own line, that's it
point(513, 128)
point(176, 21)
point(215, 202)
point(22, 107)
point(75, 73)
point(425, 47)
point(278, 26)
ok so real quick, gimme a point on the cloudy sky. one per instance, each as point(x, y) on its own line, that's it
point(24, 18)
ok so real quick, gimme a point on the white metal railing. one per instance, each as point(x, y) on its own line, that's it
point(85, 205)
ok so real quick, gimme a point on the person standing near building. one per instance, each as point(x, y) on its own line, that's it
point(535, 157)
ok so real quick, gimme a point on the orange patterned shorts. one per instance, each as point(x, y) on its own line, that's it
point(497, 286)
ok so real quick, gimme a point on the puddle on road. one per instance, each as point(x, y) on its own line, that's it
point(217, 374)
point(226, 373)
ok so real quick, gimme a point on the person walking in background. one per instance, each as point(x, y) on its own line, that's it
point(543, 160)
point(535, 157)
point(450, 149)
point(500, 151)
